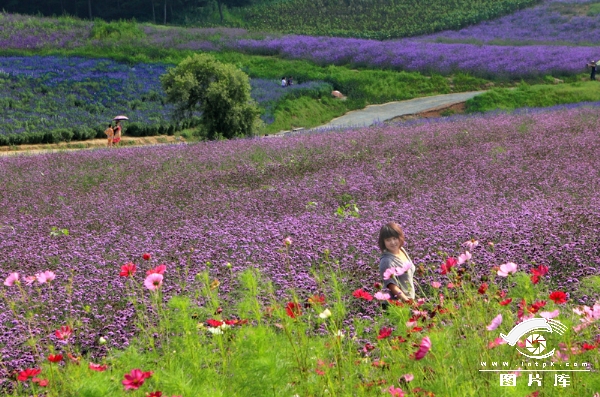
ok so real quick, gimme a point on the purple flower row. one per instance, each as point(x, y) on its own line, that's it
point(527, 183)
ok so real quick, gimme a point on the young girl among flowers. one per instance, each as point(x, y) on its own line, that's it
point(395, 266)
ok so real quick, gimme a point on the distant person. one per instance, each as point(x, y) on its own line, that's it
point(117, 129)
point(592, 65)
point(290, 81)
point(110, 133)
point(283, 82)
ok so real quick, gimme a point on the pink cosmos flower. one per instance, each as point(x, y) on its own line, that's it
point(407, 377)
point(98, 367)
point(471, 244)
point(423, 348)
point(436, 284)
point(153, 281)
point(549, 315)
point(160, 269)
point(462, 258)
point(506, 269)
point(382, 296)
point(449, 264)
point(135, 378)
point(495, 323)
point(396, 391)
point(127, 270)
point(45, 277)
point(396, 271)
point(287, 241)
point(496, 342)
point(64, 332)
point(384, 333)
point(29, 280)
point(12, 279)
point(450, 285)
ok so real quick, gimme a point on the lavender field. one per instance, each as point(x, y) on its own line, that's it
point(525, 186)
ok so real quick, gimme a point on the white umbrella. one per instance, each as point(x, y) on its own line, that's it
point(121, 117)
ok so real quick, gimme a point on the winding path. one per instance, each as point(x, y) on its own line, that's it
point(379, 113)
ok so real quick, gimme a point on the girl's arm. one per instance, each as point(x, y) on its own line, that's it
point(398, 292)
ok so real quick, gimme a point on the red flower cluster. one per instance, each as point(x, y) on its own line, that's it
point(558, 297)
point(127, 270)
point(293, 309)
point(362, 294)
point(448, 265)
point(146, 256)
point(55, 358)
point(384, 333)
point(506, 301)
point(135, 378)
point(538, 272)
point(28, 373)
point(536, 306)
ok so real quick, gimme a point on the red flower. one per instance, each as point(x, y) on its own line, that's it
point(449, 264)
point(587, 346)
point(362, 294)
point(506, 301)
point(293, 309)
point(377, 286)
point(41, 382)
point(558, 297)
point(55, 358)
point(384, 333)
point(483, 288)
point(538, 272)
point(98, 367)
point(127, 270)
point(536, 306)
point(317, 300)
point(154, 394)
point(146, 256)
point(135, 379)
point(64, 332)
point(160, 269)
point(368, 347)
point(28, 373)
point(214, 323)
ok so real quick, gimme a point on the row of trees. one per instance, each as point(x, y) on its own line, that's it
point(157, 11)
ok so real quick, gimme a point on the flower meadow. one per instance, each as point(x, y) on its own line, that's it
point(45, 93)
point(224, 268)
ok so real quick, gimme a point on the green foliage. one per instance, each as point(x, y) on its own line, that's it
point(220, 91)
point(534, 96)
point(594, 10)
point(375, 19)
point(121, 29)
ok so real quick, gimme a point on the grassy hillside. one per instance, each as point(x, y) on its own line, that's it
point(378, 19)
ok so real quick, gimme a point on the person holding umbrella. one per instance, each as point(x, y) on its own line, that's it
point(118, 129)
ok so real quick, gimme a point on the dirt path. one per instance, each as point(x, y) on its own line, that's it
point(90, 144)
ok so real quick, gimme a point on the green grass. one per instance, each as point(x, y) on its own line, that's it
point(317, 352)
point(535, 96)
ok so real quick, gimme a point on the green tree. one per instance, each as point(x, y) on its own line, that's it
point(220, 91)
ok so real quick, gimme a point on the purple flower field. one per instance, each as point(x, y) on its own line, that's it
point(552, 22)
point(526, 183)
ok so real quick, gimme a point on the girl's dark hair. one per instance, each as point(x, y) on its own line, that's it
point(390, 229)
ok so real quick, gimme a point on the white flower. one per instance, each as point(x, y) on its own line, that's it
point(339, 334)
point(325, 314)
point(215, 331)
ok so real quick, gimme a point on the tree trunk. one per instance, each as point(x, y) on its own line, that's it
point(153, 12)
point(90, 8)
point(165, 13)
point(220, 10)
